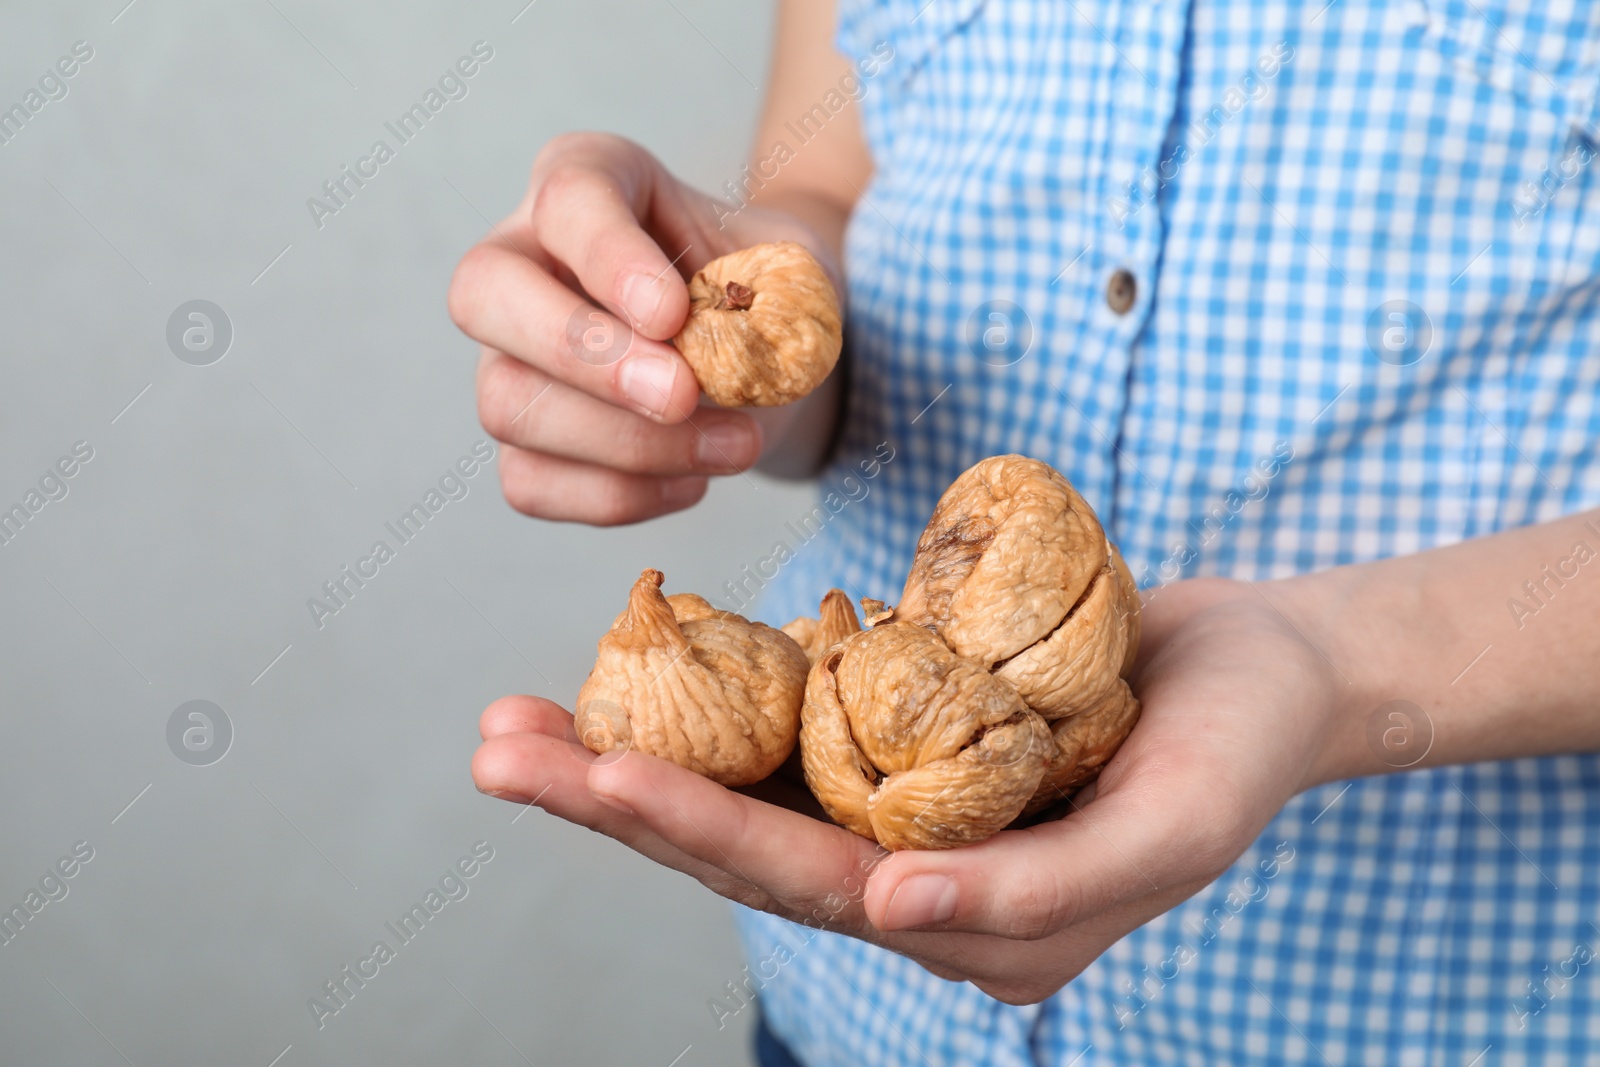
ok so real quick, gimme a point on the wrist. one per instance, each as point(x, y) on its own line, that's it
point(1165, 608)
point(1259, 633)
point(1329, 611)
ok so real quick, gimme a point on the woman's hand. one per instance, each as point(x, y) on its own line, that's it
point(575, 298)
point(1239, 713)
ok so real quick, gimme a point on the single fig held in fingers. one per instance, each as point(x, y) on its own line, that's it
point(763, 327)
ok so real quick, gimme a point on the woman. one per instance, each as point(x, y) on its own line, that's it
point(1303, 299)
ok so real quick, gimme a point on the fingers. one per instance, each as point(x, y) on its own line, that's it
point(538, 765)
point(504, 300)
point(564, 490)
point(528, 768)
point(552, 772)
point(576, 298)
point(526, 408)
point(592, 192)
point(813, 869)
point(546, 769)
point(526, 715)
point(524, 766)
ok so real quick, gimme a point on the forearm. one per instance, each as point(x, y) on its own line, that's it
point(823, 215)
point(1496, 640)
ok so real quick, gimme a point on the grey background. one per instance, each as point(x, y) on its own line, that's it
point(180, 562)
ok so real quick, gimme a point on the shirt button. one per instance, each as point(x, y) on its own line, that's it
point(1121, 291)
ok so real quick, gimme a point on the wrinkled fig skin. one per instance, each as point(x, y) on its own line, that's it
point(707, 689)
point(1077, 680)
point(1083, 744)
point(763, 326)
point(1010, 549)
point(1073, 668)
point(1130, 611)
point(837, 621)
point(906, 743)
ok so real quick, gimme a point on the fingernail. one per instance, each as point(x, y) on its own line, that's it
point(613, 802)
point(507, 795)
point(647, 381)
point(641, 296)
point(921, 900)
point(681, 492)
point(724, 446)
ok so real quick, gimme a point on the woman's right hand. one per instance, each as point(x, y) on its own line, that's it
point(575, 299)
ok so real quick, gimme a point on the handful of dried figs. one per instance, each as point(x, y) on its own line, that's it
point(995, 688)
point(763, 326)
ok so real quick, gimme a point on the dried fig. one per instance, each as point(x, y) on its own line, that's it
point(707, 689)
point(909, 744)
point(1083, 743)
point(1083, 659)
point(1011, 547)
point(837, 621)
point(763, 326)
point(1014, 571)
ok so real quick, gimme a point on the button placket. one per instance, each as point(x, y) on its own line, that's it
point(1145, 85)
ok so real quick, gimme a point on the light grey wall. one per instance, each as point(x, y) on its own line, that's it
point(179, 563)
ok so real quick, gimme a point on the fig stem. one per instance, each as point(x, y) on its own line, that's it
point(738, 297)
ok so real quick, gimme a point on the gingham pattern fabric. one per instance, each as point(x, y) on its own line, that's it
point(1365, 239)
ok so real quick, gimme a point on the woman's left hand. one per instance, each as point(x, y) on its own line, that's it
point(1240, 714)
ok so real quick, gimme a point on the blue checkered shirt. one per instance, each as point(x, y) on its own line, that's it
point(1361, 243)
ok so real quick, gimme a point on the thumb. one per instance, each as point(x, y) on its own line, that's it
point(1029, 884)
point(593, 193)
